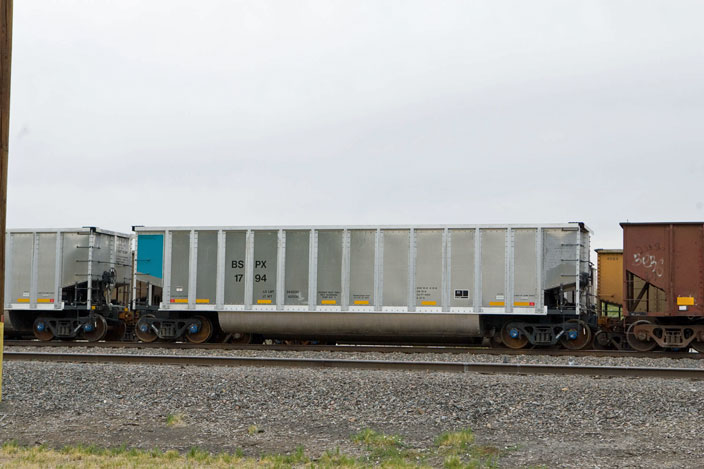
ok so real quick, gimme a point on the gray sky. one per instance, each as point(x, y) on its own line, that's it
point(364, 112)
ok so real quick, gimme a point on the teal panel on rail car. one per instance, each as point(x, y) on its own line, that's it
point(150, 254)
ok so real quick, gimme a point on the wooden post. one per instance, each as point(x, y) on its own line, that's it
point(5, 67)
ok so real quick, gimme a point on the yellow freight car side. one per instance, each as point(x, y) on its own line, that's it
point(610, 281)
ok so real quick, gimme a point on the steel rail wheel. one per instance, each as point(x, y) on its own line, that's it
point(602, 341)
point(698, 346)
point(639, 344)
point(512, 337)
point(297, 342)
point(143, 330)
point(496, 341)
point(240, 338)
point(95, 329)
point(581, 330)
point(41, 330)
point(198, 335)
point(116, 331)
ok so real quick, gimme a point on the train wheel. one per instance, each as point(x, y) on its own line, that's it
point(297, 342)
point(41, 330)
point(698, 346)
point(512, 337)
point(143, 330)
point(198, 335)
point(639, 344)
point(618, 340)
point(240, 338)
point(95, 329)
point(495, 341)
point(116, 331)
point(577, 335)
point(602, 341)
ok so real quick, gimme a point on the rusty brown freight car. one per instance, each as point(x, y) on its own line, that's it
point(663, 280)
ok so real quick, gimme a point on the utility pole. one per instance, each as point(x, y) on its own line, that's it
point(5, 67)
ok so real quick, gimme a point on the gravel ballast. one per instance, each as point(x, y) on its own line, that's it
point(558, 421)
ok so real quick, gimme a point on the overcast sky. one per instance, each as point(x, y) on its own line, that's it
point(356, 112)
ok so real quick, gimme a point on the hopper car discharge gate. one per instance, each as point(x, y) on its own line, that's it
point(516, 284)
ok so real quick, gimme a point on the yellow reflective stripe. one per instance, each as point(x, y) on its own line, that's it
point(497, 303)
point(361, 302)
point(202, 300)
point(685, 301)
point(264, 302)
point(428, 303)
point(329, 302)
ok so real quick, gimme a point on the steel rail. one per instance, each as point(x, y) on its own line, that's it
point(318, 363)
point(410, 349)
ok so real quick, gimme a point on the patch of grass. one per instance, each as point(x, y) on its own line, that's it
point(456, 441)
point(172, 455)
point(197, 454)
point(89, 456)
point(374, 439)
point(10, 447)
point(460, 452)
point(453, 450)
point(297, 458)
point(156, 453)
point(452, 462)
point(331, 459)
point(253, 430)
point(175, 420)
point(386, 450)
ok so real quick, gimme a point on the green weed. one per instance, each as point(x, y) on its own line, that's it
point(175, 420)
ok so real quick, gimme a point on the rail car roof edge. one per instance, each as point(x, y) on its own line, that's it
point(85, 229)
point(631, 223)
point(570, 225)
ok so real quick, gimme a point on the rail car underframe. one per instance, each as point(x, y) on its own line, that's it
point(546, 329)
point(62, 323)
point(667, 335)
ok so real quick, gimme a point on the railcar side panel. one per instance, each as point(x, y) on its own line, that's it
point(663, 269)
point(610, 277)
point(329, 262)
point(425, 270)
point(56, 278)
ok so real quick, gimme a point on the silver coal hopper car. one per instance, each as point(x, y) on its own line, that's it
point(67, 283)
point(514, 284)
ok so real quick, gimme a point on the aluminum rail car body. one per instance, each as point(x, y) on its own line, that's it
point(66, 282)
point(521, 283)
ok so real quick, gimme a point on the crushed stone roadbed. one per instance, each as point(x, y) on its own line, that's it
point(557, 421)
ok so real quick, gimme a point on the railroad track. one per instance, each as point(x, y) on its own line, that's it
point(410, 349)
point(318, 363)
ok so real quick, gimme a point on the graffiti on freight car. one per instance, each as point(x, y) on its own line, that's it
point(650, 262)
